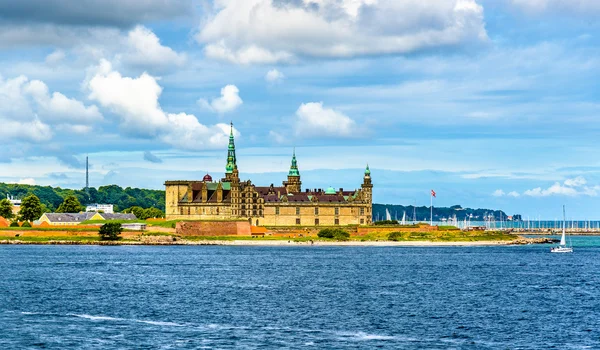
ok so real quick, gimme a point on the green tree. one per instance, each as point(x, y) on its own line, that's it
point(70, 205)
point(137, 211)
point(6, 209)
point(31, 208)
point(153, 213)
point(334, 233)
point(110, 231)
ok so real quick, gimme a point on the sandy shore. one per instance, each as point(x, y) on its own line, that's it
point(291, 243)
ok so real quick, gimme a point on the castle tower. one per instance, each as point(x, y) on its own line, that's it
point(367, 190)
point(293, 183)
point(231, 160)
point(367, 186)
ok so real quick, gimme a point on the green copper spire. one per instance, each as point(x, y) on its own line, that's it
point(294, 168)
point(367, 171)
point(231, 161)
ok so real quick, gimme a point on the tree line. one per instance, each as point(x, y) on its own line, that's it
point(36, 200)
point(122, 198)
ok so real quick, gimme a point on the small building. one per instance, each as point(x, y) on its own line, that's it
point(136, 226)
point(15, 202)
point(70, 219)
point(105, 208)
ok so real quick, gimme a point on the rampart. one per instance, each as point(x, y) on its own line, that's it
point(213, 228)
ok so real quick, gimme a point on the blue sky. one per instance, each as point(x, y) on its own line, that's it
point(492, 103)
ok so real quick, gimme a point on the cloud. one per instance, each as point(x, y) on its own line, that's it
point(58, 108)
point(135, 101)
point(93, 12)
point(26, 181)
point(274, 76)
point(144, 49)
point(228, 102)
point(70, 161)
point(265, 31)
point(498, 193)
point(513, 194)
point(277, 137)
point(55, 57)
point(29, 112)
point(315, 120)
point(570, 187)
point(580, 7)
point(148, 156)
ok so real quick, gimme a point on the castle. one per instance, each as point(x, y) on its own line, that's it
point(285, 205)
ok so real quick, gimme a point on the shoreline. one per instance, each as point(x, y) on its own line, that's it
point(291, 243)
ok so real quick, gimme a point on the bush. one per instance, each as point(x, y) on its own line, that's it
point(334, 233)
point(386, 222)
point(26, 224)
point(110, 231)
point(14, 224)
point(395, 236)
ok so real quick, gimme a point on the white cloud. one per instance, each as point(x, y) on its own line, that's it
point(144, 49)
point(228, 102)
point(135, 101)
point(498, 193)
point(570, 187)
point(58, 108)
point(315, 120)
point(277, 137)
point(27, 181)
point(513, 194)
point(274, 76)
point(260, 31)
point(55, 57)
point(576, 182)
point(28, 111)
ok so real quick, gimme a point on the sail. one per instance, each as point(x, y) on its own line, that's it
point(404, 218)
point(387, 215)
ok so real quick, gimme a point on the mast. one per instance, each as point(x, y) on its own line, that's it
point(563, 240)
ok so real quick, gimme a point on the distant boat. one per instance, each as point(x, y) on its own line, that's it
point(404, 218)
point(562, 247)
point(388, 217)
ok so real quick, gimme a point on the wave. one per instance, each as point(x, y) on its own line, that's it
point(161, 323)
point(97, 318)
point(362, 336)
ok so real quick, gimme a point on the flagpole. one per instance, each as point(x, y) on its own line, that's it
point(431, 207)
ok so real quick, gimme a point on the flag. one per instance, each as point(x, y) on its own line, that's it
point(433, 193)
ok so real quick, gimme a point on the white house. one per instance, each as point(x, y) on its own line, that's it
point(105, 208)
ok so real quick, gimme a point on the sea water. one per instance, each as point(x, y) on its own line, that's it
point(191, 297)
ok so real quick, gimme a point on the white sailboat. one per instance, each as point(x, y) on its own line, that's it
point(562, 247)
point(388, 217)
point(404, 219)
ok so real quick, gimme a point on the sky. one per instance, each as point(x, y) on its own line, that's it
point(491, 103)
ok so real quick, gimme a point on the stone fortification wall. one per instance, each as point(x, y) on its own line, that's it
point(213, 228)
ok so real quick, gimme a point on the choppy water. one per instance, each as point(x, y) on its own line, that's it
point(89, 297)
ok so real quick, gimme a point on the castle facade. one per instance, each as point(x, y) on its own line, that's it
point(286, 205)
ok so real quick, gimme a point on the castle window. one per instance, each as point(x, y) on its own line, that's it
point(243, 206)
point(337, 211)
point(254, 213)
point(362, 221)
point(362, 212)
point(180, 211)
point(260, 213)
point(276, 210)
point(298, 221)
point(316, 222)
point(188, 210)
point(297, 210)
point(337, 221)
point(317, 211)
